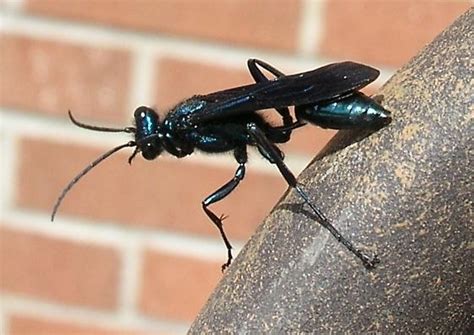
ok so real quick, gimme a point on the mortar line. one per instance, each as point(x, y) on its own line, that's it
point(14, 304)
point(202, 51)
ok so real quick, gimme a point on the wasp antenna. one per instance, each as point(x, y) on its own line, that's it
point(132, 156)
point(96, 128)
point(84, 172)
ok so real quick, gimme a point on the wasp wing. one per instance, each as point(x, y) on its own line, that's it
point(323, 84)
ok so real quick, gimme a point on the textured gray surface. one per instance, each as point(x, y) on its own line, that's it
point(404, 192)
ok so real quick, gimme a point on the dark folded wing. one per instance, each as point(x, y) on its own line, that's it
point(323, 84)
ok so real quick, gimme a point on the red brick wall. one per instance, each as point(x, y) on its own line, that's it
point(130, 251)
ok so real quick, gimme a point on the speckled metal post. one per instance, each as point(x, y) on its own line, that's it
point(404, 192)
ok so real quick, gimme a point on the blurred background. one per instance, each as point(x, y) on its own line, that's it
point(131, 251)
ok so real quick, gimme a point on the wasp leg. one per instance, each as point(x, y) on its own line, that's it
point(273, 152)
point(258, 76)
point(241, 157)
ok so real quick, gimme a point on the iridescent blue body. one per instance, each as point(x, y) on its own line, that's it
point(177, 135)
point(355, 111)
point(229, 121)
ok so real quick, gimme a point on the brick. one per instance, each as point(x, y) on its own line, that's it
point(180, 79)
point(176, 287)
point(165, 193)
point(57, 76)
point(385, 32)
point(64, 271)
point(265, 23)
point(27, 325)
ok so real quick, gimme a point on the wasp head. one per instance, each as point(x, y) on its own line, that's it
point(147, 134)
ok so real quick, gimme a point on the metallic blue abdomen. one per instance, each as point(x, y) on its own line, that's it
point(355, 111)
